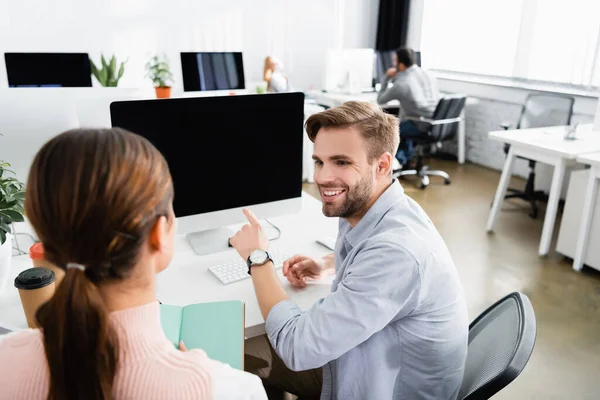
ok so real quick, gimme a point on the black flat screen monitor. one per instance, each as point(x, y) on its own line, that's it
point(223, 152)
point(212, 71)
point(48, 70)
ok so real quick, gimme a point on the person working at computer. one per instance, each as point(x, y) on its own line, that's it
point(101, 203)
point(273, 74)
point(417, 91)
point(395, 323)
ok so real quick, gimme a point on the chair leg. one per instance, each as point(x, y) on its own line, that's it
point(440, 174)
point(520, 195)
point(406, 173)
point(530, 195)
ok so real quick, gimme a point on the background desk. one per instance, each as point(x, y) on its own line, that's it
point(336, 99)
point(546, 145)
point(187, 280)
point(580, 226)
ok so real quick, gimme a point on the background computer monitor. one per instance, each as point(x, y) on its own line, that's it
point(212, 71)
point(48, 69)
point(224, 153)
point(384, 60)
point(349, 70)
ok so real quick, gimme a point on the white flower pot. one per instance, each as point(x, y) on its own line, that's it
point(5, 257)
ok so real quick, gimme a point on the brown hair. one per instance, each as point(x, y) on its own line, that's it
point(92, 198)
point(380, 130)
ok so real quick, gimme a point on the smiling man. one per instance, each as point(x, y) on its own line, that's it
point(395, 323)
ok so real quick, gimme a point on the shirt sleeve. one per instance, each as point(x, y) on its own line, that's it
point(382, 284)
point(233, 384)
point(278, 82)
point(388, 93)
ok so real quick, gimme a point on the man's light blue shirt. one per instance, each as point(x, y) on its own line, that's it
point(395, 324)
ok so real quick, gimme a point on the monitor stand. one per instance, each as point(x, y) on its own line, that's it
point(217, 240)
point(210, 241)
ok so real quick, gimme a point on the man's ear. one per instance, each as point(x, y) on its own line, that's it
point(384, 164)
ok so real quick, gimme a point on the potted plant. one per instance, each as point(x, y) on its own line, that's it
point(12, 195)
point(108, 76)
point(160, 74)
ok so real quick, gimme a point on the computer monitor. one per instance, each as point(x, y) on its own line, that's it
point(384, 60)
point(224, 153)
point(349, 70)
point(48, 70)
point(212, 71)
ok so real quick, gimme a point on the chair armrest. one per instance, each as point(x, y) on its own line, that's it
point(505, 125)
point(435, 121)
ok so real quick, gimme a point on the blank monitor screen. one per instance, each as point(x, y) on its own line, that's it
point(212, 71)
point(48, 69)
point(223, 152)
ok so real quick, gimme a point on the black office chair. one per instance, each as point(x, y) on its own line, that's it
point(443, 126)
point(501, 341)
point(539, 110)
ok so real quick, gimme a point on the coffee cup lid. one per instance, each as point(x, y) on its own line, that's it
point(34, 278)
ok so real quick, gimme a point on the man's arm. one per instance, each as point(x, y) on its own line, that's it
point(268, 288)
point(384, 284)
point(393, 92)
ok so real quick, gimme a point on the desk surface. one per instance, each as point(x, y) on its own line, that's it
point(335, 99)
point(187, 280)
point(551, 140)
point(590, 158)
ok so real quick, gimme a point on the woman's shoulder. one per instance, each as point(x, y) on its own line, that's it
point(197, 369)
point(25, 339)
point(23, 370)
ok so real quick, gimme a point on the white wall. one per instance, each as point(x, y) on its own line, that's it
point(298, 32)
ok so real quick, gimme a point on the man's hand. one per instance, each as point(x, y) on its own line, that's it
point(251, 237)
point(391, 72)
point(298, 268)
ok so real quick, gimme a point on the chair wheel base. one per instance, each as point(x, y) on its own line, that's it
point(533, 214)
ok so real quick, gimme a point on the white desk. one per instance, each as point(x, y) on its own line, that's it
point(587, 216)
point(336, 99)
point(187, 280)
point(546, 145)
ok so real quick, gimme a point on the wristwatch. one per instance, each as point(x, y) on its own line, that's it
point(258, 258)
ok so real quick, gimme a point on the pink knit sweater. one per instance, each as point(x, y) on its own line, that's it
point(149, 366)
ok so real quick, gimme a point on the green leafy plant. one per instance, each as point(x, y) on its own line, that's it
point(159, 72)
point(108, 76)
point(12, 196)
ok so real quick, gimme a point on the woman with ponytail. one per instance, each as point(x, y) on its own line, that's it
point(101, 203)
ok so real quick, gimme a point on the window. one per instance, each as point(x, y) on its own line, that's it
point(533, 39)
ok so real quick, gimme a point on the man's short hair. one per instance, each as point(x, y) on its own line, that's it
point(379, 129)
point(406, 56)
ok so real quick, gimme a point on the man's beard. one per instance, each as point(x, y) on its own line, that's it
point(356, 199)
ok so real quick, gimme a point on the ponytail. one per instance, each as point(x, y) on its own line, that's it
point(81, 347)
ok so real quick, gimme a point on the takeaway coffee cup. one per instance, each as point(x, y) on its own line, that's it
point(36, 286)
point(36, 253)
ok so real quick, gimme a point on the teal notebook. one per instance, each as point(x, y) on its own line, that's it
point(217, 328)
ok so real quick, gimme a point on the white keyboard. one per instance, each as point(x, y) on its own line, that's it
point(236, 270)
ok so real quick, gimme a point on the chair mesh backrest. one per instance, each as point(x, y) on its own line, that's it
point(492, 345)
point(541, 110)
point(450, 106)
